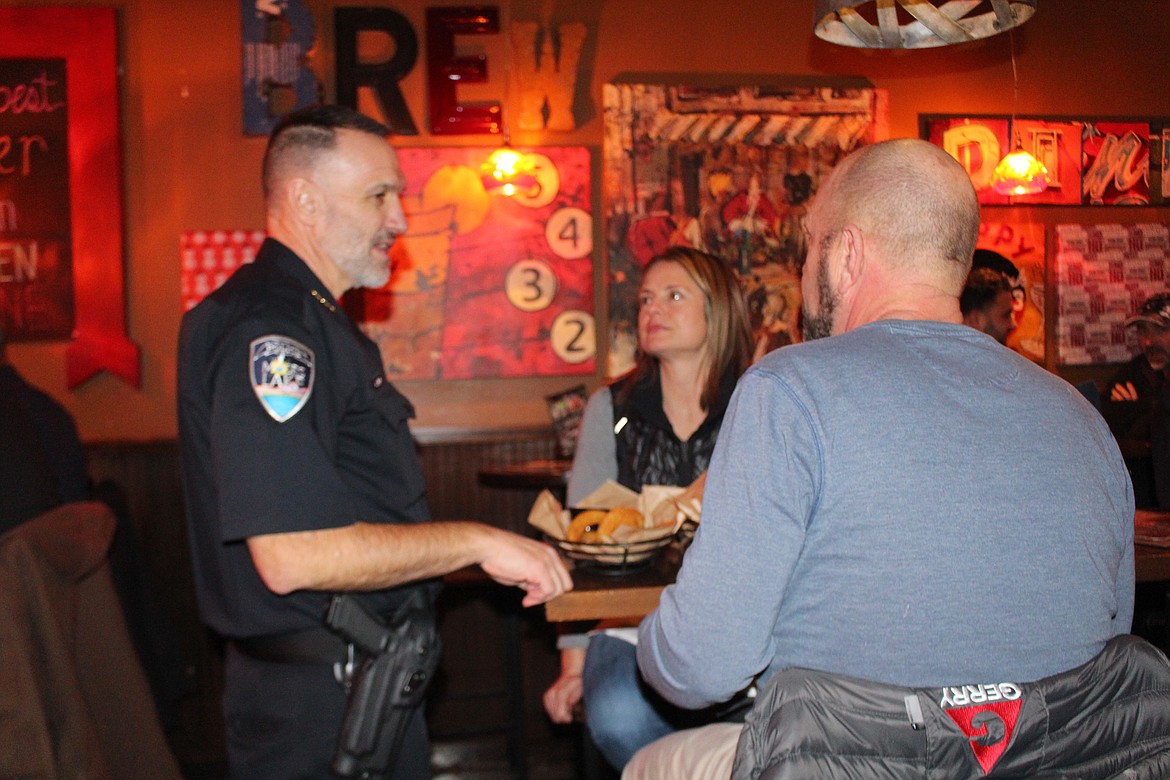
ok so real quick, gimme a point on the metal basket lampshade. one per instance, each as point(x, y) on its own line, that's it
point(919, 24)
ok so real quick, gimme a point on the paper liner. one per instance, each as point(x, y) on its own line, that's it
point(664, 509)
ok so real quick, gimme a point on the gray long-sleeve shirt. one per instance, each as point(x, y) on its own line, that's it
point(909, 503)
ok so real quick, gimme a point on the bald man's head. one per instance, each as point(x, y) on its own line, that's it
point(913, 201)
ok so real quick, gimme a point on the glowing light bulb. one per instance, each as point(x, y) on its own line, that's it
point(508, 172)
point(1019, 173)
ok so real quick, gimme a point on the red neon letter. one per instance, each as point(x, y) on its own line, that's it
point(445, 70)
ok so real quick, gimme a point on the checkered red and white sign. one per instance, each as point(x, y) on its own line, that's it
point(1103, 273)
point(210, 256)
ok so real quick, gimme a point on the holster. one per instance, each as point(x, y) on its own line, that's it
point(389, 683)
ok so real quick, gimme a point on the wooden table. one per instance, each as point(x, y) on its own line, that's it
point(635, 595)
point(529, 475)
point(1151, 564)
point(598, 596)
point(1152, 560)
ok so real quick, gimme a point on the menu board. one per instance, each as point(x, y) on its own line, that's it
point(36, 279)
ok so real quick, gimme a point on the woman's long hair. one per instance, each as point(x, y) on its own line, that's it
point(729, 335)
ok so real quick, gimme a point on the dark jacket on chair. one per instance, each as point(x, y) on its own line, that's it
point(74, 702)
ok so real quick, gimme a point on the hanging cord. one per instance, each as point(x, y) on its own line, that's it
point(1015, 143)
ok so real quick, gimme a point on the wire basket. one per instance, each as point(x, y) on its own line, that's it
point(614, 557)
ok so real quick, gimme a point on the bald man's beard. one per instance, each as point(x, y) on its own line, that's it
point(821, 325)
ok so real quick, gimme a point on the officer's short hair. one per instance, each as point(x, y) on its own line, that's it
point(302, 135)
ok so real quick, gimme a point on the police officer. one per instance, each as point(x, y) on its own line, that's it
point(300, 474)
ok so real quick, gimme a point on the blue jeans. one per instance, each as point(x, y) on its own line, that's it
point(622, 712)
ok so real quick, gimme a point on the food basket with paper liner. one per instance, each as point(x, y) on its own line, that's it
point(615, 530)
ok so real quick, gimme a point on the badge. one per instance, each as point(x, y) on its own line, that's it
point(281, 371)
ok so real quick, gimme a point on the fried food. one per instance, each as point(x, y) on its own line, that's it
point(617, 517)
point(585, 525)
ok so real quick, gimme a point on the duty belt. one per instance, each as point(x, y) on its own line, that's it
point(311, 645)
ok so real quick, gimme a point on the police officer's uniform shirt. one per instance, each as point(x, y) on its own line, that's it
point(287, 423)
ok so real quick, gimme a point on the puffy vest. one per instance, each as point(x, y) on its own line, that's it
point(1107, 718)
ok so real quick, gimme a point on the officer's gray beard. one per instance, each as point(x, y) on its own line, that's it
point(364, 273)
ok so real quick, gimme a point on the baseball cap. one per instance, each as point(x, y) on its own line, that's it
point(1156, 309)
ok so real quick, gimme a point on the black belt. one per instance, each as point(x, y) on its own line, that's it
point(312, 645)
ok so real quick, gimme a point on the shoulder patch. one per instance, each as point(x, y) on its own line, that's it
point(281, 371)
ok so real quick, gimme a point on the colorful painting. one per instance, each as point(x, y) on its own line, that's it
point(485, 284)
point(1103, 273)
point(1115, 164)
point(731, 170)
point(1091, 162)
point(482, 284)
point(1023, 244)
point(978, 144)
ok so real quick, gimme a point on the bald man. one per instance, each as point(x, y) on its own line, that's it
point(300, 473)
point(843, 516)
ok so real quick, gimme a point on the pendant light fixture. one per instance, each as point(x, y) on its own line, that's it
point(508, 171)
point(1019, 172)
point(916, 24)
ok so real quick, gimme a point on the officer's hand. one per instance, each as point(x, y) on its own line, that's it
point(535, 567)
point(1123, 392)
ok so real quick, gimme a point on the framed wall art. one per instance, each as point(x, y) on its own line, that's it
point(1091, 161)
point(727, 168)
point(487, 285)
point(1103, 273)
point(61, 274)
point(483, 284)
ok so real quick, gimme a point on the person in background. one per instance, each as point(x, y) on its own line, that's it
point(43, 465)
point(300, 474)
point(989, 258)
point(1135, 404)
point(986, 303)
point(655, 426)
point(841, 529)
point(43, 460)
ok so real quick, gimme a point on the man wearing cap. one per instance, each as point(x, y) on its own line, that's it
point(1136, 404)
